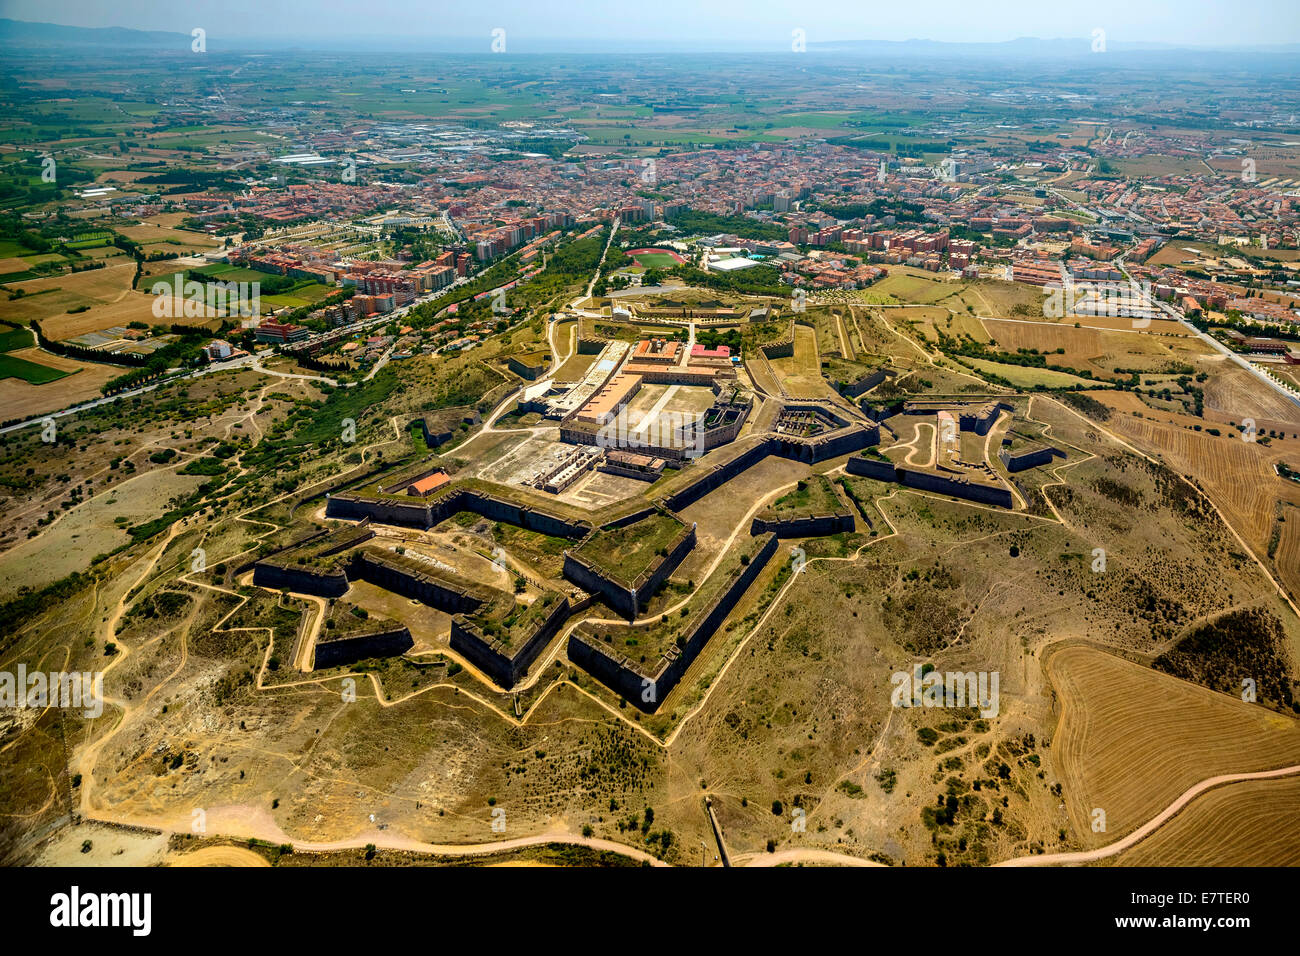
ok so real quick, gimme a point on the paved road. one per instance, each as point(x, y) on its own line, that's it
point(613, 231)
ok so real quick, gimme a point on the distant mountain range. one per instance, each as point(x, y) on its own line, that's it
point(20, 34)
point(23, 34)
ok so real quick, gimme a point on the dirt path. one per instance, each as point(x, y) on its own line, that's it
point(845, 349)
point(246, 822)
point(307, 643)
point(86, 760)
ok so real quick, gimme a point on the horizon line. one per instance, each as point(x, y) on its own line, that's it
point(562, 44)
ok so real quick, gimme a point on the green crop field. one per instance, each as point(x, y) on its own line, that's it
point(12, 337)
point(11, 367)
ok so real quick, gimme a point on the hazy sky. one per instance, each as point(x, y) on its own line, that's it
point(755, 24)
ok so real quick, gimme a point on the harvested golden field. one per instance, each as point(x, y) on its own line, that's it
point(1130, 740)
point(103, 285)
point(1233, 394)
point(1252, 823)
point(219, 856)
point(132, 307)
point(1081, 345)
point(177, 240)
point(97, 288)
point(41, 357)
point(1158, 327)
point(1238, 475)
point(107, 291)
point(1287, 557)
point(123, 175)
point(1100, 351)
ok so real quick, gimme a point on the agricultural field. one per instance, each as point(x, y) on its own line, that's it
point(1285, 548)
point(106, 291)
point(156, 237)
point(1102, 352)
point(1232, 395)
point(21, 398)
point(1241, 824)
point(1131, 740)
point(18, 365)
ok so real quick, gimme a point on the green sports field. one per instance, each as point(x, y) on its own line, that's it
point(654, 258)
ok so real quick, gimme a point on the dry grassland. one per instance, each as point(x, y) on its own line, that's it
point(801, 375)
